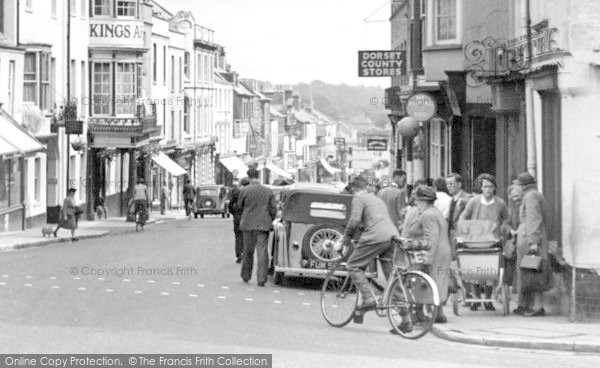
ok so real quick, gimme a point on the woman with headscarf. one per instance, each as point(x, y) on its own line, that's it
point(486, 206)
point(531, 239)
point(430, 227)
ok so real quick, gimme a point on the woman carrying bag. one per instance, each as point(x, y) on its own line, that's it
point(69, 214)
point(533, 267)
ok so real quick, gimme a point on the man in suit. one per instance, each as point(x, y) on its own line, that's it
point(460, 198)
point(235, 211)
point(258, 207)
point(394, 196)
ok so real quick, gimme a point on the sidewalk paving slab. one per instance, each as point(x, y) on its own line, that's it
point(86, 230)
point(514, 331)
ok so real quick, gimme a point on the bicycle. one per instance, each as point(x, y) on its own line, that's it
point(410, 298)
point(140, 216)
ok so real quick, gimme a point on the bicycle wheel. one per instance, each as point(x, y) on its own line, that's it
point(338, 299)
point(413, 302)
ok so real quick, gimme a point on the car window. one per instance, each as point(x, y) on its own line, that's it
point(328, 210)
point(207, 192)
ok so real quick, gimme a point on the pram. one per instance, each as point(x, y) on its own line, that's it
point(480, 261)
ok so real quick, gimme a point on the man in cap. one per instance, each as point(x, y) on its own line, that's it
point(394, 197)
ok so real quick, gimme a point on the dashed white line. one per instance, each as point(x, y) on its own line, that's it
point(164, 293)
point(109, 290)
point(249, 299)
point(150, 281)
point(101, 279)
point(28, 277)
point(27, 285)
point(2, 283)
point(249, 289)
point(126, 280)
point(277, 302)
point(176, 283)
point(305, 303)
point(221, 297)
point(192, 295)
point(55, 287)
point(52, 277)
point(200, 285)
point(301, 294)
point(76, 278)
point(5, 276)
point(137, 291)
point(224, 287)
point(276, 291)
point(81, 289)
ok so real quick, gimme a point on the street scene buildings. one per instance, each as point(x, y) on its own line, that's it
point(99, 95)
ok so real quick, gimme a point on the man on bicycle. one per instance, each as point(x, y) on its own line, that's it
point(189, 195)
point(141, 198)
point(370, 214)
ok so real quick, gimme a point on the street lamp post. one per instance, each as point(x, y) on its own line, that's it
point(393, 143)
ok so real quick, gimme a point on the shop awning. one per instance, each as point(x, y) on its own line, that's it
point(235, 165)
point(329, 168)
point(166, 163)
point(279, 171)
point(14, 139)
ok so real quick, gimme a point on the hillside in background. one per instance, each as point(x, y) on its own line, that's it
point(346, 103)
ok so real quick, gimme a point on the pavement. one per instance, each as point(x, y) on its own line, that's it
point(484, 328)
point(491, 328)
point(86, 230)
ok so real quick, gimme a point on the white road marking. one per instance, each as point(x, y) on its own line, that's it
point(200, 285)
point(52, 277)
point(192, 295)
point(55, 287)
point(101, 279)
point(277, 301)
point(224, 287)
point(176, 283)
point(158, 222)
point(81, 289)
point(76, 278)
point(28, 277)
point(27, 285)
point(301, 294)
point(5, 276)
point(2, 283)
point(137, 291)
point(305, 303)
point(109, 290)
point(249, 289)
point(126, 280)
point(164, 293)
point(276, 291)
point(150, 281)
point(221, 297)
point(249, 299)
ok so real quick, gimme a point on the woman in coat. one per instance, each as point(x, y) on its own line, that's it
point(531, 238)
point(69, 214)
point(431, 228)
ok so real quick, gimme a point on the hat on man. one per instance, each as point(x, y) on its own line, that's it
point(525, 178)
point(425, 193)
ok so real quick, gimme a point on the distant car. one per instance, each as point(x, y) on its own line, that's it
point(211, 200)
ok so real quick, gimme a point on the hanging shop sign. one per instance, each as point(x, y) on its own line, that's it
point(421, 106)
point(340, 142)
point(73, 127)
point(381, 63)
point(376, 144)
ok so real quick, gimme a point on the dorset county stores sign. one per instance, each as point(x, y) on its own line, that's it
point(116, 33)
point(381, 63)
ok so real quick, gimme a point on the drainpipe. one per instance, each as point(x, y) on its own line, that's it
point(531, 139)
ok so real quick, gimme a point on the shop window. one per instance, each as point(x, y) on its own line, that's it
point(102, 7)
point(126, 8)
point(10, 182)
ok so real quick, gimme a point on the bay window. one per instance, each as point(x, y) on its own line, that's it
point(445, 20)
point(117, 99)
point(36, 80)
point(126, 8)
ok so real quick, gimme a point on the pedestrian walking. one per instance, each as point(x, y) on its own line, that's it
point(236, 213)
point(259, 208)
point(141, 198)
point(460, 198)
point(486, 206)
point(164, 198)
point(189, 195)
point(427, 224)
point(69, 214)
point(394, 197)
point(531, 239)
point(443, 199)
point(510, 233)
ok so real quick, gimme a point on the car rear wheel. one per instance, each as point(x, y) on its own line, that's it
point(319, 241)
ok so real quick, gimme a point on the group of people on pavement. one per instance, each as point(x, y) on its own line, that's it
point(431, 214)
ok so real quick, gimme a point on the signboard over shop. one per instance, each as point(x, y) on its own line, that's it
point(381, 63)
point(116, 33)
point(376, 144)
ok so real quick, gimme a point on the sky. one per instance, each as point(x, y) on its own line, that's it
point(290, 41)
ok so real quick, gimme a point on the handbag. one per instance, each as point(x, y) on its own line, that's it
point(536, 280)
point(510, 245)
point(531, 262)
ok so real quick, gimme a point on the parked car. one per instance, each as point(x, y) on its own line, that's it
point(211, 200)
point(312, 221)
